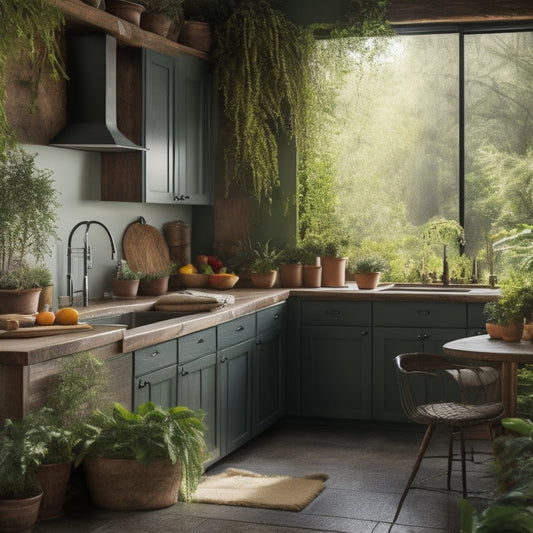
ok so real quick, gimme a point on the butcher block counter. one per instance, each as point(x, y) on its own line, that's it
point(29, 366)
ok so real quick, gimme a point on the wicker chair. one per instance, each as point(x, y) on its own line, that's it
point(434, 392)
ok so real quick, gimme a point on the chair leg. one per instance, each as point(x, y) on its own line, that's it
point(450, 459)
point(421, 451)
point(463, 463)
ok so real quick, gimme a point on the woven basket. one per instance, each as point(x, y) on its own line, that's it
point(126, 484)
point(197, 35)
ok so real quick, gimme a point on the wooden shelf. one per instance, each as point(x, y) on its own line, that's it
point(80, 17)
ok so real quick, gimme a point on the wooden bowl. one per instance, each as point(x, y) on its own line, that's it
point(223, 282)
point(194, 280)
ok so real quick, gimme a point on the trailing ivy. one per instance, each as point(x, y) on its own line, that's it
point(28, 31)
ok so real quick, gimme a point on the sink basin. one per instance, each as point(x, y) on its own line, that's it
point(425, 288)
point(134, 319)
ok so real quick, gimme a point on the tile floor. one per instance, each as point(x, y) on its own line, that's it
point(367, 464)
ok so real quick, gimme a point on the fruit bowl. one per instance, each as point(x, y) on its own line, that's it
point(194, 280)
point(223, 282)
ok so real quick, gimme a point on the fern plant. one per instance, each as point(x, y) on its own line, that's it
point(29, 31)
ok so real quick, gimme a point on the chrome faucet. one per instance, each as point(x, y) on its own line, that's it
point(86, 259)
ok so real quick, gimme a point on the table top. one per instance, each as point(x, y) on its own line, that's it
point(484, 348)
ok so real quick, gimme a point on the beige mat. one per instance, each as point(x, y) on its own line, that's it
point(248, 489)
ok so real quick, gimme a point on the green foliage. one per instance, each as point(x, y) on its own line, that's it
point(29, 32)
point(370, 264)
point(262, 66)
point(21, 452)
point(172, 268)
point(292, 255)
point(524, 396)
point(25, 278)
point(123, 271)
point(515, 304)
point(171, 8)
point(28, 217)
point(265, 257)
point(152, 432)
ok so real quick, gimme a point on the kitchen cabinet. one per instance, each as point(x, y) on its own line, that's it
point(175, 95)
point(199, 383)
point(336, 359)
point(404, 327)
point(155, 374)
point(268, 368)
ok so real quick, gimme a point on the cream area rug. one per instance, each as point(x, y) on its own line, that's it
point(248, 489)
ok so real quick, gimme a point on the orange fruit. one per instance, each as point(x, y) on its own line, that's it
point(67, 316)
point(45, 318)
point(188, 269)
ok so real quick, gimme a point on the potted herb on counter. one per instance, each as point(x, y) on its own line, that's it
point(367, 271)
point(264, 267)
point(126, 281)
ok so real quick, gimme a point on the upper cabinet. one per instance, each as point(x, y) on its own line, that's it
point(172, 96)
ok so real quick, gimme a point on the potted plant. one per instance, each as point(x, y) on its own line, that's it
point(334, 263)
point(264, 267)
point(125, 284)
point(201, 16)
point(21, 452)
point(28, 222)
point(367, 271)
point(159, 15)
point(311, 248)
point(156, 283)
point(290, 269)
point(126, 10)
point(144, 459)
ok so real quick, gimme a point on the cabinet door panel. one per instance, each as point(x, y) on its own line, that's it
point(336, 372)
point(159, 387)
point(155, 357)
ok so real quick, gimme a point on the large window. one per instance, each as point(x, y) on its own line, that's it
point(430, 128)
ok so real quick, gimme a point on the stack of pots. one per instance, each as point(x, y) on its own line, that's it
point(177, 235)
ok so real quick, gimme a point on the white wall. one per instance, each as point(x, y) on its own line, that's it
point(77, 178)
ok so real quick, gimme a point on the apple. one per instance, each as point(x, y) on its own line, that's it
point(201, 260)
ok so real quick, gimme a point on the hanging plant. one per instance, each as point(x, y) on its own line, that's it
point(262, 73)
point(29, 32)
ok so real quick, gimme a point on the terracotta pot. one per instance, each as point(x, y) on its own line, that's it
point(53, 479)
point(126, 484)
point(290, 275)
point(333, 271)
point(46, 298)
point(20, 301)
point(155, 287)
point(264, 280)
point(196, 35)
point(19, 515)
point(129, 11)
point(512, 333)
point(125, 288)
point(312, 276)
point(156, 23)
point(367, 280)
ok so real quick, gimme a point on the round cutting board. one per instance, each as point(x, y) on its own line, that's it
point(145, 248)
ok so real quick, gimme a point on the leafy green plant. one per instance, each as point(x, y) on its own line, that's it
point(28, 216)
point(146, 277)
point(171, 8)
point(123, 271)
point(292, 255)
point(266, 258)
point(25, 278)
point(151, 432)
point(370, 264)
point(29, 32)
point(515, 304)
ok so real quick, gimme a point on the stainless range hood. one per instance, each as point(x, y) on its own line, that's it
point(92, 97)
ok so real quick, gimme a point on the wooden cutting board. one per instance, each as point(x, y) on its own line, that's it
point(44, 331)
point(145, 248)
point(23, 320)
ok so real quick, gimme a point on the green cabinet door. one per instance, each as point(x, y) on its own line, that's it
point(198, 387)
point(336, 371)
point(236, 398)
point(390, 342)
point(159, 387)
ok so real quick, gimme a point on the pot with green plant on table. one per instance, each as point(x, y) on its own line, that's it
point(125, 284)
point(334, 262)
point(311, 247)
point(368, 270)
point(264, 268)
point(290, 269)
point(155, 283)
point(159, 15)
point(28, 224)
point(146, 459)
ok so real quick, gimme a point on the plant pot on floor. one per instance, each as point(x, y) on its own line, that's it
point(264, 280)
point(19, 514)
point(367, 280)
point(19, 301)
point(53, 479)
point(154, 287)
point(290, 275)
point(126, 484)
point(333, 271)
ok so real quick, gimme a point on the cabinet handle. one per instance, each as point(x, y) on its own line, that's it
point(424, 312)
point(419, 336)
point(200, 341)
point(422, 336)
point(239, 328)
point(184, 372)
point(276, 316)
point(333, 312)
point(223, 359)
point(258, 342)
point(364, 333)
point(155, 353)
point(181, 198)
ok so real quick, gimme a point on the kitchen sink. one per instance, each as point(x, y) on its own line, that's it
point(133, 319)
point(425, 288)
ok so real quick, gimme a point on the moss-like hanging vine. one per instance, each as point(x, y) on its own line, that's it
point(29, 31)
point(262, 73)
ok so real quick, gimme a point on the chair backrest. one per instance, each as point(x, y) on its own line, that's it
point(430, 378)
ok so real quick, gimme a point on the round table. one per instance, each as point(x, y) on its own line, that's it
point(507, 354)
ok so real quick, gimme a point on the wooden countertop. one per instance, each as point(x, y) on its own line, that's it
point(27, 351)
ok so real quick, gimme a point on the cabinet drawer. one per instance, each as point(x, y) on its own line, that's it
point(420, 314)
point(196, 344)
point(154, 357)
point(270, 318)
point(325, 313)
point(236, 331)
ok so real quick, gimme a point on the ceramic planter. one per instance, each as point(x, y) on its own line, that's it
point(126, 10)
point(196, 34)
point(333, 271)
point(367, 280)
point(154, 287)
point(156, 23)
point(264, 280)
point(126, 484)
point(19, 515)
point(19, 301)
point(53, 479)
point(312, 276)
point(290, 275)
point(511, 333)
point(125, 288)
